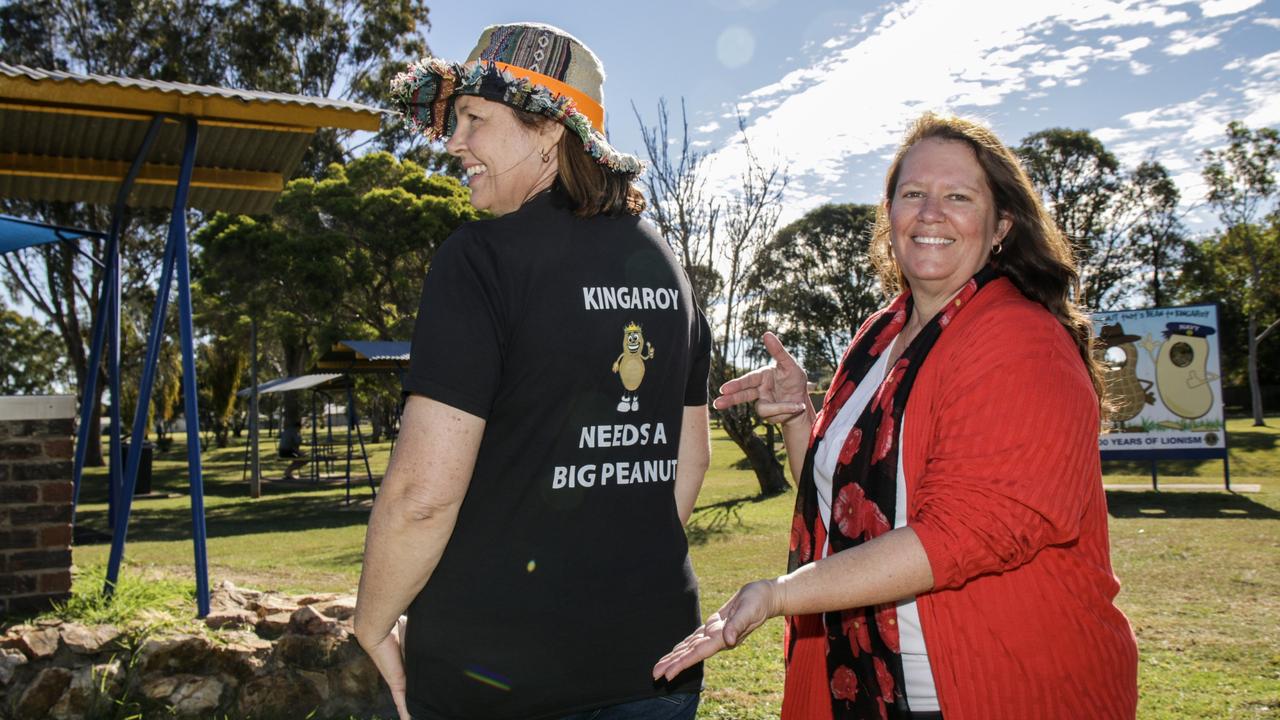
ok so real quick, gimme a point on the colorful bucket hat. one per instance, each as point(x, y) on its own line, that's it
point(532, 67)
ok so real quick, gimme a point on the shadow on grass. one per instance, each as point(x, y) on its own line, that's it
point(275, 513)
point(1186, 505)
point(719, 518)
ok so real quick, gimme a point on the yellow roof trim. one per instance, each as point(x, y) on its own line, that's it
point(142, 117)
point(113, 171)
point(148, 100)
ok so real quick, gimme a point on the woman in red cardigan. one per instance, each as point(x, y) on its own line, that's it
point(949, 553)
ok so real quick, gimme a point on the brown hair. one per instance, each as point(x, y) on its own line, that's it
point(1035, 254)
point(593, 188)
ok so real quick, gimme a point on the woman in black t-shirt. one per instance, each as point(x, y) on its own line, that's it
point(555, 433)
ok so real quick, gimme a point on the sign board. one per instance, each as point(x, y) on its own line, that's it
point(1163, 375)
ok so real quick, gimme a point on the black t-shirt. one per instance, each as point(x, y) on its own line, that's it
point(567, 575)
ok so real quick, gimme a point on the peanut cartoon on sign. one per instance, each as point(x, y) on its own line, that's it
point(1182, 375)
point(630, 365)
point(1127, 392)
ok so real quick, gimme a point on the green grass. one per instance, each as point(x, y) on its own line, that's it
point(1200, 570)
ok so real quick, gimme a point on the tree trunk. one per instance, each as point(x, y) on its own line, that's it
point(739, 425)
point(1255, 387)
point(296, 355)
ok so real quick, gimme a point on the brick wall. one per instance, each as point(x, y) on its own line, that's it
point(36, 444)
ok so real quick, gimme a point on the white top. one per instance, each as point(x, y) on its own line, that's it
point(921, 693)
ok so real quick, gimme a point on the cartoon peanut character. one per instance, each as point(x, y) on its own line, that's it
point(630, 365)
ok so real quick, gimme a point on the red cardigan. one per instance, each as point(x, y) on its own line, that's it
point(1004, 490)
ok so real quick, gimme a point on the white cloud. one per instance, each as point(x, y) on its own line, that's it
point(840, 116)
point(1185, 42)
point(1215, 8)
point(1268, 22)
point(708, 127)
point(929, 54)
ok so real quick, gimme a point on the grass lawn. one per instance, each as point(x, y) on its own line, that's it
point(1200, 570)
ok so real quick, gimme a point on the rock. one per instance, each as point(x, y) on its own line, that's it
point(282, 694)
point(80, 698)
point(43, 693)
point(310, 652)
point(197, 698)
point(88, 640)
point(309, 621)
point(243, 655)
point(174, 654)
point(316, 598)
point(40, 643)
point(273, 626)
point(270, 604)
point(185, 695)
point(227, 595)
point(357, 679)
point(230, 617)
point(341, 608)
point(10, 660)
point(319, 681)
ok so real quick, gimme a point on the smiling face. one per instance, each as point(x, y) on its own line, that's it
point(502, 156)
point(942, 218)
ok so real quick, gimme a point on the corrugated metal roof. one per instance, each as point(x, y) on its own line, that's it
point(290, 384)
point(379, 349)
point(248, 96)
point(365, 356)
point(70, 137)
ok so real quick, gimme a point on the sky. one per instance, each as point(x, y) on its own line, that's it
point(827, 88)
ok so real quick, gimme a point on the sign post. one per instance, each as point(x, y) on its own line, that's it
point(1163, 375)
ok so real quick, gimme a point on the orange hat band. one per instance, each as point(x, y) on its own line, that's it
point(586, 104)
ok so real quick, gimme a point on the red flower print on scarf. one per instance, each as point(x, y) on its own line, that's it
point(846, 511)
point(887, 623)
point(873, 522)
point(851, 445)
point(886, 680)
point(800, 539)
point(844, 685)
point(884, 436)
point(884, 712)
point(831, 407)
point(892, 379)
point(854, 626)
point(949, 311)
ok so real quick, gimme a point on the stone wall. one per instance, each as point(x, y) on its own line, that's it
point(36, 447)
point(257, 655)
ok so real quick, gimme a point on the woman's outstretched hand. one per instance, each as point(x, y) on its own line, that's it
point(746, 610)
point(780, 390)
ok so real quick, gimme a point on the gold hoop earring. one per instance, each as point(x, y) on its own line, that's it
point(546, 155)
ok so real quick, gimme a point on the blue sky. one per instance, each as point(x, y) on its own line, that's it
point(828, 87)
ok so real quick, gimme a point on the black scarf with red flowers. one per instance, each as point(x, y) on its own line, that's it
point(864, 662)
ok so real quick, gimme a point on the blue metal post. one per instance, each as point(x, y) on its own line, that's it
point(191, 409)
point(109, 317)
point(177, 237)
point(90, 389)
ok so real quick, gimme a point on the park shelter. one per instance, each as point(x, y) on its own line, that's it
point(19, 233)
point(130, 142)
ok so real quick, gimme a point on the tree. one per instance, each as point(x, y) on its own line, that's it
point(1242, 187)
point(1214, 271)
point(680, 205)
point(30, 363)
point(343, 257)
point(344, 48)
point(1158, 222)
point(718, 239)
point(812, 284)
point(223, 361)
